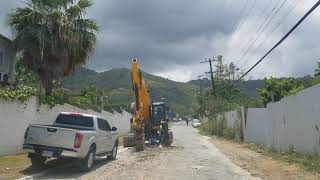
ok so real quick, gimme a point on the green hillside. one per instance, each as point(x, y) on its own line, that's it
point(116, 84)
point(248, 88)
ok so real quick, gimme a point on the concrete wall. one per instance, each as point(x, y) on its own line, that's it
point(293, 122)
point(257, 126)
point(16, 116)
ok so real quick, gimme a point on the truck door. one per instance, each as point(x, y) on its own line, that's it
point(109, 143)
point(102, 137)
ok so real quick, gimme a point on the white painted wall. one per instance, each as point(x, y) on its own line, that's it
point(16, 116)
point(257, 126)
point(293, 121)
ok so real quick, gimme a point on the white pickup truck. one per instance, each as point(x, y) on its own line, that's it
point(82, 136)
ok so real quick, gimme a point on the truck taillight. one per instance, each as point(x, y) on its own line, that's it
point(26, 134)
point(78, 140)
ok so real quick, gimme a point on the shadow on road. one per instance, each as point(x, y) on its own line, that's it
point(61, 168)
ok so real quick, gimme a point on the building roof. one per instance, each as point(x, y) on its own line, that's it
point(5, 38)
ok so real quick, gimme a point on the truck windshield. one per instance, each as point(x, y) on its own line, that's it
point(75, 120)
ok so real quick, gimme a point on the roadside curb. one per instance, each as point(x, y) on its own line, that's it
point(34, 176)
point(26, 178)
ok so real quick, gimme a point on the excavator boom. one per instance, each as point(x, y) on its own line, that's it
point(141, 112)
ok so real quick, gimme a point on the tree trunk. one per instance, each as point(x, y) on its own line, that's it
point(48, 86)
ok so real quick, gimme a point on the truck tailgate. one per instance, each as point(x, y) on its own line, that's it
point(51, 136)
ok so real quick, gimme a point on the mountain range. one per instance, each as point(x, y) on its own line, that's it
point(116, 84)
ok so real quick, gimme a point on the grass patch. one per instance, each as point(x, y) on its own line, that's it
point(208, 128)
point(120, 139)
point(307, 161)
point(12, 161)
point(10, 166)
point(229, 133)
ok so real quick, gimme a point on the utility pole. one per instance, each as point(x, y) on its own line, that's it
point(211, 74)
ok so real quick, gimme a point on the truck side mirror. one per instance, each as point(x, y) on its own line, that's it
point(114, 129)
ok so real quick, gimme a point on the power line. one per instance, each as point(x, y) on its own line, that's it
point(265, 8)
point(247, 14)
point(235, 25)
point(261, 25)
point(249, 48)
point(277, 25)
point(282, 39)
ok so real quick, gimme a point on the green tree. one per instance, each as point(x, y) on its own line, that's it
point(221, 68)
point(53, 37)
point(317, 71)
point(278, 88)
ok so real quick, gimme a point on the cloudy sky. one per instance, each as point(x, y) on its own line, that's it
point(171, 37)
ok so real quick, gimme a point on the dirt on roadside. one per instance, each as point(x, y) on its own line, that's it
point(261, 165)
point(12, 167)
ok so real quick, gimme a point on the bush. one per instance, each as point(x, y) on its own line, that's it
point(228, 133)
point(209, 128)
point(21, 93)
point(57, 97)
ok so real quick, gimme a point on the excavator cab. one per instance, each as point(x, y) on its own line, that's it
point(158, 113)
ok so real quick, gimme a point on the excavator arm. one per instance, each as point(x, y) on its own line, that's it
point(141, 112)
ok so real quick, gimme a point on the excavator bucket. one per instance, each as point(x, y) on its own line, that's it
point(129, 140)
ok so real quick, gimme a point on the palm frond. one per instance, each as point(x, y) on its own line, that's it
point(53, 36)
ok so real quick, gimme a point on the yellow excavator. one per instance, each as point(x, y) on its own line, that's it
point(149, 120)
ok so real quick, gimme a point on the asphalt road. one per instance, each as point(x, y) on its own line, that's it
point(191, 156)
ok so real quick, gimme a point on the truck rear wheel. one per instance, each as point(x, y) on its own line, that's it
point(87, 163)
point(37, 162)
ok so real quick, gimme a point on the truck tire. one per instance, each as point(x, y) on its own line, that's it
point(87, 163)
point(128, 140)
point(114, 151)
point(140, 141)
point(37, 162)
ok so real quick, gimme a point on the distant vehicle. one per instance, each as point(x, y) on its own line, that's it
point(175, 119)
point(180, 119)
point(81, 136)
point(196, 123)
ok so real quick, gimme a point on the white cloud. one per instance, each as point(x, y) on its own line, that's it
point(172, 37)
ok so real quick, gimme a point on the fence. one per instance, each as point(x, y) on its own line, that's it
point(293, 122)
point(16, 116)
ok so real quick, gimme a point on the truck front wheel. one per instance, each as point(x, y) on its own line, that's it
point(114, 151)
point(37, 162)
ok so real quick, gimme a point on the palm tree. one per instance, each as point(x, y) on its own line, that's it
point(317, 71)
point(53, 37)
